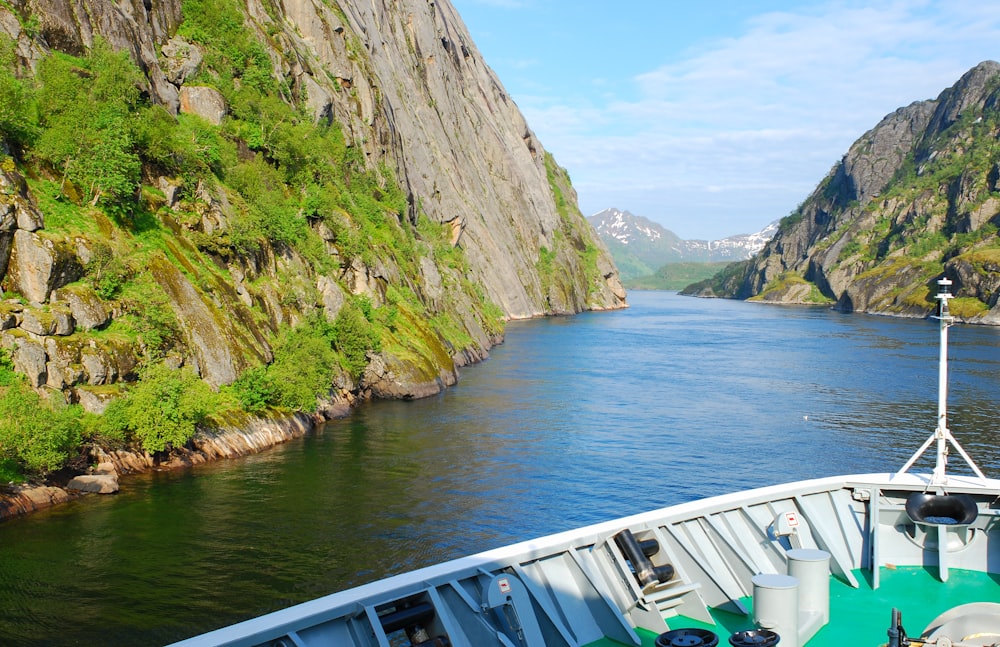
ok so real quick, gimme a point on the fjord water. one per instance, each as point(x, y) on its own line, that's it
point(572, 421)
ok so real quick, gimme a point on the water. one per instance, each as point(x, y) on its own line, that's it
point(572, 421)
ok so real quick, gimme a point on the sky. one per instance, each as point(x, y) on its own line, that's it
point(715, 118)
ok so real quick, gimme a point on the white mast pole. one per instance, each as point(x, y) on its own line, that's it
point(941, 433)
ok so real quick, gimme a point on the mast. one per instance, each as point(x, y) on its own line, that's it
point(941, 433)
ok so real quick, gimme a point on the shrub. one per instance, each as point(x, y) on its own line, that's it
point(34, 435)
point(163, 409)
point(88, 112)
point(255, 390)
point(18, 117)
point(304, 364)
point(354, 335)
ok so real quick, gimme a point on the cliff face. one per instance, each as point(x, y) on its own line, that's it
point(409, 90)
point(914, 198)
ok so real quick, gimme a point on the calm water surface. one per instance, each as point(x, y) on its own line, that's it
point(572, 421)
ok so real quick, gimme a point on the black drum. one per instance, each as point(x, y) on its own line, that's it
point(687, 638)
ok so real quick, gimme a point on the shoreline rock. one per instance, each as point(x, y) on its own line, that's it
point(254, 435)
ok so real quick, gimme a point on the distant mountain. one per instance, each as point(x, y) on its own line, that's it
point(640, 246)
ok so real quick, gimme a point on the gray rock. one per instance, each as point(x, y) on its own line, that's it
point(40, 264)
point(182, 59)
point(61, 376)
point(215, 343)
point(28, 356)
point(318, 98)
point(37, 322)
point(96, 483)
point(458, 142)
point(63, 318)
point(88, 311)
point(92, 401)
point(97, 366)
point(331, 296)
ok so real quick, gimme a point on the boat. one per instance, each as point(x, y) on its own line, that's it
point(897, 558)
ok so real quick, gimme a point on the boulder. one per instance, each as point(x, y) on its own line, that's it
point(97, 366)
point(39, 264)
point(92, 401)
point(97, 483)
point(331, 296)
point(37, 322)
point(388, 377)
point(28, 356)
point(208, 103)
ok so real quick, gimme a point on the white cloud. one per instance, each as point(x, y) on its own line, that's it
point(738, 132)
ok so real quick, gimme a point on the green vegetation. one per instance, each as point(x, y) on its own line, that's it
point(788, 282)
point(574, 240)
point(35, 435)
point(163, 409)
point(967, 307)
point(92, 147)
point(675, 276)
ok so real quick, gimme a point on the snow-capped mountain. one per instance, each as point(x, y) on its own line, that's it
point(640, 246)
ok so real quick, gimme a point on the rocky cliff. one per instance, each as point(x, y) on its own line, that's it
point(218, 217)
point(485, 226)
point(914, 198)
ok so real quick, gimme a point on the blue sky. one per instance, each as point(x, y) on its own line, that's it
point(715, 118)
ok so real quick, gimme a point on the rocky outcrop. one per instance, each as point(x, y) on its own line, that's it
point(24, 499)
point(238, 437)
point(136, 27)
point(94, 483)
point(408, 84)
point(911, 200)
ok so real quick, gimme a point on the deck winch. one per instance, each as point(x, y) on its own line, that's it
point(413, 617)
point(638, 554)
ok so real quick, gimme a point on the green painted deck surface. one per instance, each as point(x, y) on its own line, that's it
point(860, 617)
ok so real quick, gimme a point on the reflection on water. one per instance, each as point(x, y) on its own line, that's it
point(572, 421)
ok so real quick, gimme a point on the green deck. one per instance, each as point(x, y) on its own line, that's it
point(860, 617)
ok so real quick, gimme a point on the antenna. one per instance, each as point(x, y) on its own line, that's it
point(941, 433)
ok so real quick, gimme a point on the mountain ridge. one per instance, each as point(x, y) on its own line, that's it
point(641, 246)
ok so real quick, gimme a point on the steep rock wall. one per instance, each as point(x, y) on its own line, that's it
point(408, 87)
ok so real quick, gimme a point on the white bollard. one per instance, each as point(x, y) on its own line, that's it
point(812, 569)
point(776, 606)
